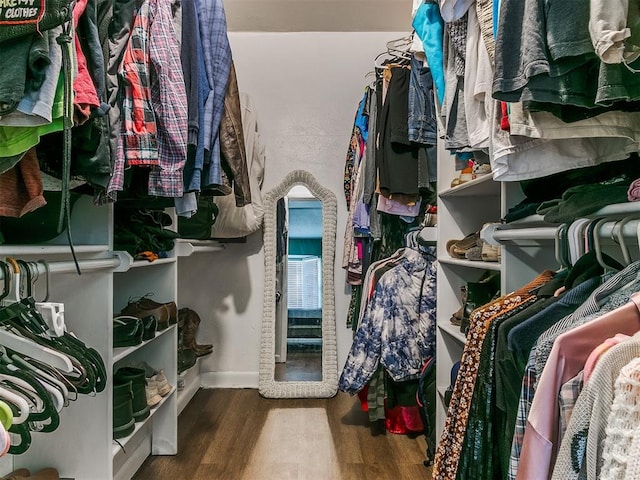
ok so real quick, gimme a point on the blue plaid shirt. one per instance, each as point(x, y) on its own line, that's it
point(217, 59)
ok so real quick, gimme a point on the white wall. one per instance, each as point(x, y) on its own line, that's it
point(306, 88)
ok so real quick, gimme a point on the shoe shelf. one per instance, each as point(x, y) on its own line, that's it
point(121, 444)
point(120, 353)
point(462, 210)
point(158, 434)
point(469, 263)
point(480, 186)
point(191, 378)
point(452, 330)
point(442, 390)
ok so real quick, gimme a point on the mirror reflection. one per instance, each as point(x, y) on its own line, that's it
point(295, 280)
point(298, 353)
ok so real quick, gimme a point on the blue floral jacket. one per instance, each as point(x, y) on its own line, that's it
point(398, 327)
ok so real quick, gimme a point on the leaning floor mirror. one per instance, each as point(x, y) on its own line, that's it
point(298, 350)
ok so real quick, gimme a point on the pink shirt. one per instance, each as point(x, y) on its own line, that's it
point(590, 364)
point(568, 356)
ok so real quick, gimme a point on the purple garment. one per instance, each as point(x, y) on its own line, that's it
point(361, 218)
point(393, 207)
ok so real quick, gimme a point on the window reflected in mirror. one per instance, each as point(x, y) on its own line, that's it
point(298, 352)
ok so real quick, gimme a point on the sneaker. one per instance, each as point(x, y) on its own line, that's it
point(490, 253)
point(465, 175)
point(458, 248)
point(474, 254)
point(158, 375)
point(151, 389)
point(480, 169)
point(163, 384)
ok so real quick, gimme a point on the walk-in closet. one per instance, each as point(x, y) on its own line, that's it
point(336, 240)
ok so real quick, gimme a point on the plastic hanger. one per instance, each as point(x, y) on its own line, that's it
point(55, 387)
point(597, 245)
point(21, 407)
point(621, 240)
point(47, 278)
point(48, 412)
point(561, 246)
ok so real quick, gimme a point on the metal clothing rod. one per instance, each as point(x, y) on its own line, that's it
point(70, 267)
point(536, 233)
point(496, 233)
point(612, 229)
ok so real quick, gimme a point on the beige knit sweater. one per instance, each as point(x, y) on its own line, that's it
point(623, 423)
point(580, 454)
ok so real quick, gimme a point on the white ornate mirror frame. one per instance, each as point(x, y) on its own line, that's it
point(328, 386)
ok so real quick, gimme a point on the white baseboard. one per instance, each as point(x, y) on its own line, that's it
point(229, 379)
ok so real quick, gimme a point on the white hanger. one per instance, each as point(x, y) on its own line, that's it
point(621, 239)
point(597, 246)
point(31, 349)
point(17, 401)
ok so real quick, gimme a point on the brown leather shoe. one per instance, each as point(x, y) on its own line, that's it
point(19, 474)
point(165, 313)
point(44, 474)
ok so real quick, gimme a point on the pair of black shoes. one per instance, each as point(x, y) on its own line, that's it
point(129, 330)
point(129, 400)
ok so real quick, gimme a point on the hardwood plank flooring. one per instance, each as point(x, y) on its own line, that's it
point(236, 434)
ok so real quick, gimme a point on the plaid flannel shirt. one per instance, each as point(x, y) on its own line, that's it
point(154, 104)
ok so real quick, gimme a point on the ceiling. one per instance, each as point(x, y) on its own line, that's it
point(318, 15)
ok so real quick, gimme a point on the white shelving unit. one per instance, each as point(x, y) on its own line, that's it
point(461, 210)
point(82, 447)
point(187, 251)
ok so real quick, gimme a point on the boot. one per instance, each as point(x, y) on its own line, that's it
point(134, 376)
point(456, 318)
point(190, 321)
point(186, 356)
point(478, 294)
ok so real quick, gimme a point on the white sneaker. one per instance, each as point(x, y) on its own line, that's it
point(151, 389)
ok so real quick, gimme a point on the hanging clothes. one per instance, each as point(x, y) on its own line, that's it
point(398, 328)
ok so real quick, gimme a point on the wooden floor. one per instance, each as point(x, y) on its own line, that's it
point(236, 434)
point(301, 366)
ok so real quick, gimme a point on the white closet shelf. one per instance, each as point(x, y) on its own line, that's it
point(17, 250)
point(531, 220)
point(616, 209)
point(479, 187)
point(186, 247)
point(123, 352)
point(453, 331)
point(470, 263)
point(123, 441)
point(191, 385)
point(146, 263)
point(441, 391)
